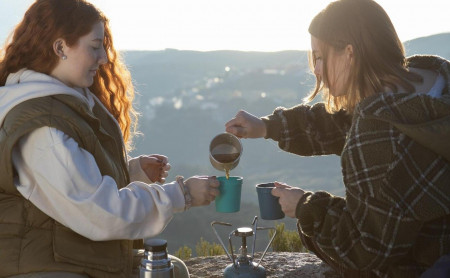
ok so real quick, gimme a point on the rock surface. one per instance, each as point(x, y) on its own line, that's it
point(277, 264)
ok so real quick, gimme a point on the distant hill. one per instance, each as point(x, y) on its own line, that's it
point(163, 72)
point(185, 99)
point(438, 44)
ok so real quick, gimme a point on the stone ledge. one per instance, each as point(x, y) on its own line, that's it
point(277, 264)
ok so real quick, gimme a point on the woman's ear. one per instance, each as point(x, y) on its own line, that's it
point(58, 48)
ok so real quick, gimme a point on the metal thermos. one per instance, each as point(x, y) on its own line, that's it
point(156, 263)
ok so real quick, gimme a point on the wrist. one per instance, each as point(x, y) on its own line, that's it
point(273, 126)
point(263, 128)
point(186, 192)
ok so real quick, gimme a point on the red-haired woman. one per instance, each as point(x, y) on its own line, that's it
point(388, 117)
point(71, 202)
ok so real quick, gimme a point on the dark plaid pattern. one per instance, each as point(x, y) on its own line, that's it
point(395, 218)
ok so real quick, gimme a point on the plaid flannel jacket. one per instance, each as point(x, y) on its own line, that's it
point(395, 217)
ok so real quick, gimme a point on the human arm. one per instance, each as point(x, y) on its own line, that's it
point(308, 130)
point(389, 199)
point(375, 239)
point(63, 180)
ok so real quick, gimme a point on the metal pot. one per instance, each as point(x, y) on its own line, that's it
point(225, 150)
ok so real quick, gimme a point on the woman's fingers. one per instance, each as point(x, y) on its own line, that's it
point(281, 184)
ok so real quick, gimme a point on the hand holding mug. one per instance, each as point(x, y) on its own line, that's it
point(289, 197)
point(203, 189)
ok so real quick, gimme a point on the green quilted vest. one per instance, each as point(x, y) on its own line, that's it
point(31, 241)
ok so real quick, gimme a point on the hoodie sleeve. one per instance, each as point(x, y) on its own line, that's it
point(63, 180)
point(135, 170)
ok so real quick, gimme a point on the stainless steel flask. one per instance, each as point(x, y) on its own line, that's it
point(156, 263)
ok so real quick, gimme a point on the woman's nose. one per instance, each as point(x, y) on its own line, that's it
point(103, 59)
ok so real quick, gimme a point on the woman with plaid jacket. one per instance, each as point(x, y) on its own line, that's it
point(388, 117)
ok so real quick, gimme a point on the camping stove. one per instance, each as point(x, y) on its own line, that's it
point(243, 266)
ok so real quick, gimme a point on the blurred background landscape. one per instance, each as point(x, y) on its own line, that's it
point(186, 97)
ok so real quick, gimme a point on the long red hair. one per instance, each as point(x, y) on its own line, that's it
point(31, 47)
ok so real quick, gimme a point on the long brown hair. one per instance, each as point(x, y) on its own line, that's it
point(378, 55)
point(31, 47)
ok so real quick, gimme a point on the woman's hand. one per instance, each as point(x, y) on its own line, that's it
point(155, 166)
point(246, 125)
point(203, 189)
point(289, 197)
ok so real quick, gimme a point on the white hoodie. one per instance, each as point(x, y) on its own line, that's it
point(64, 181)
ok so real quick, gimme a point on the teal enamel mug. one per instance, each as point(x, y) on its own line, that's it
point(229, 199)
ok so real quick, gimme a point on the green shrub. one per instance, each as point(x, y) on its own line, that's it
point(184, 253)
point(286, 240)
point(206, 249)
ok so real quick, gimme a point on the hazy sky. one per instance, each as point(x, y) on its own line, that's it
point(251, 25)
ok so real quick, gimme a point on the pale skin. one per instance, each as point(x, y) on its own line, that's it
point(339, 65)
point(77, 67)
point(78, 64)
point(155, 166)
point(203, 189)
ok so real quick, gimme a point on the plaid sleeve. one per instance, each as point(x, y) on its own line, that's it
point(392, 188)
point(308, 130)
point(379, 235)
